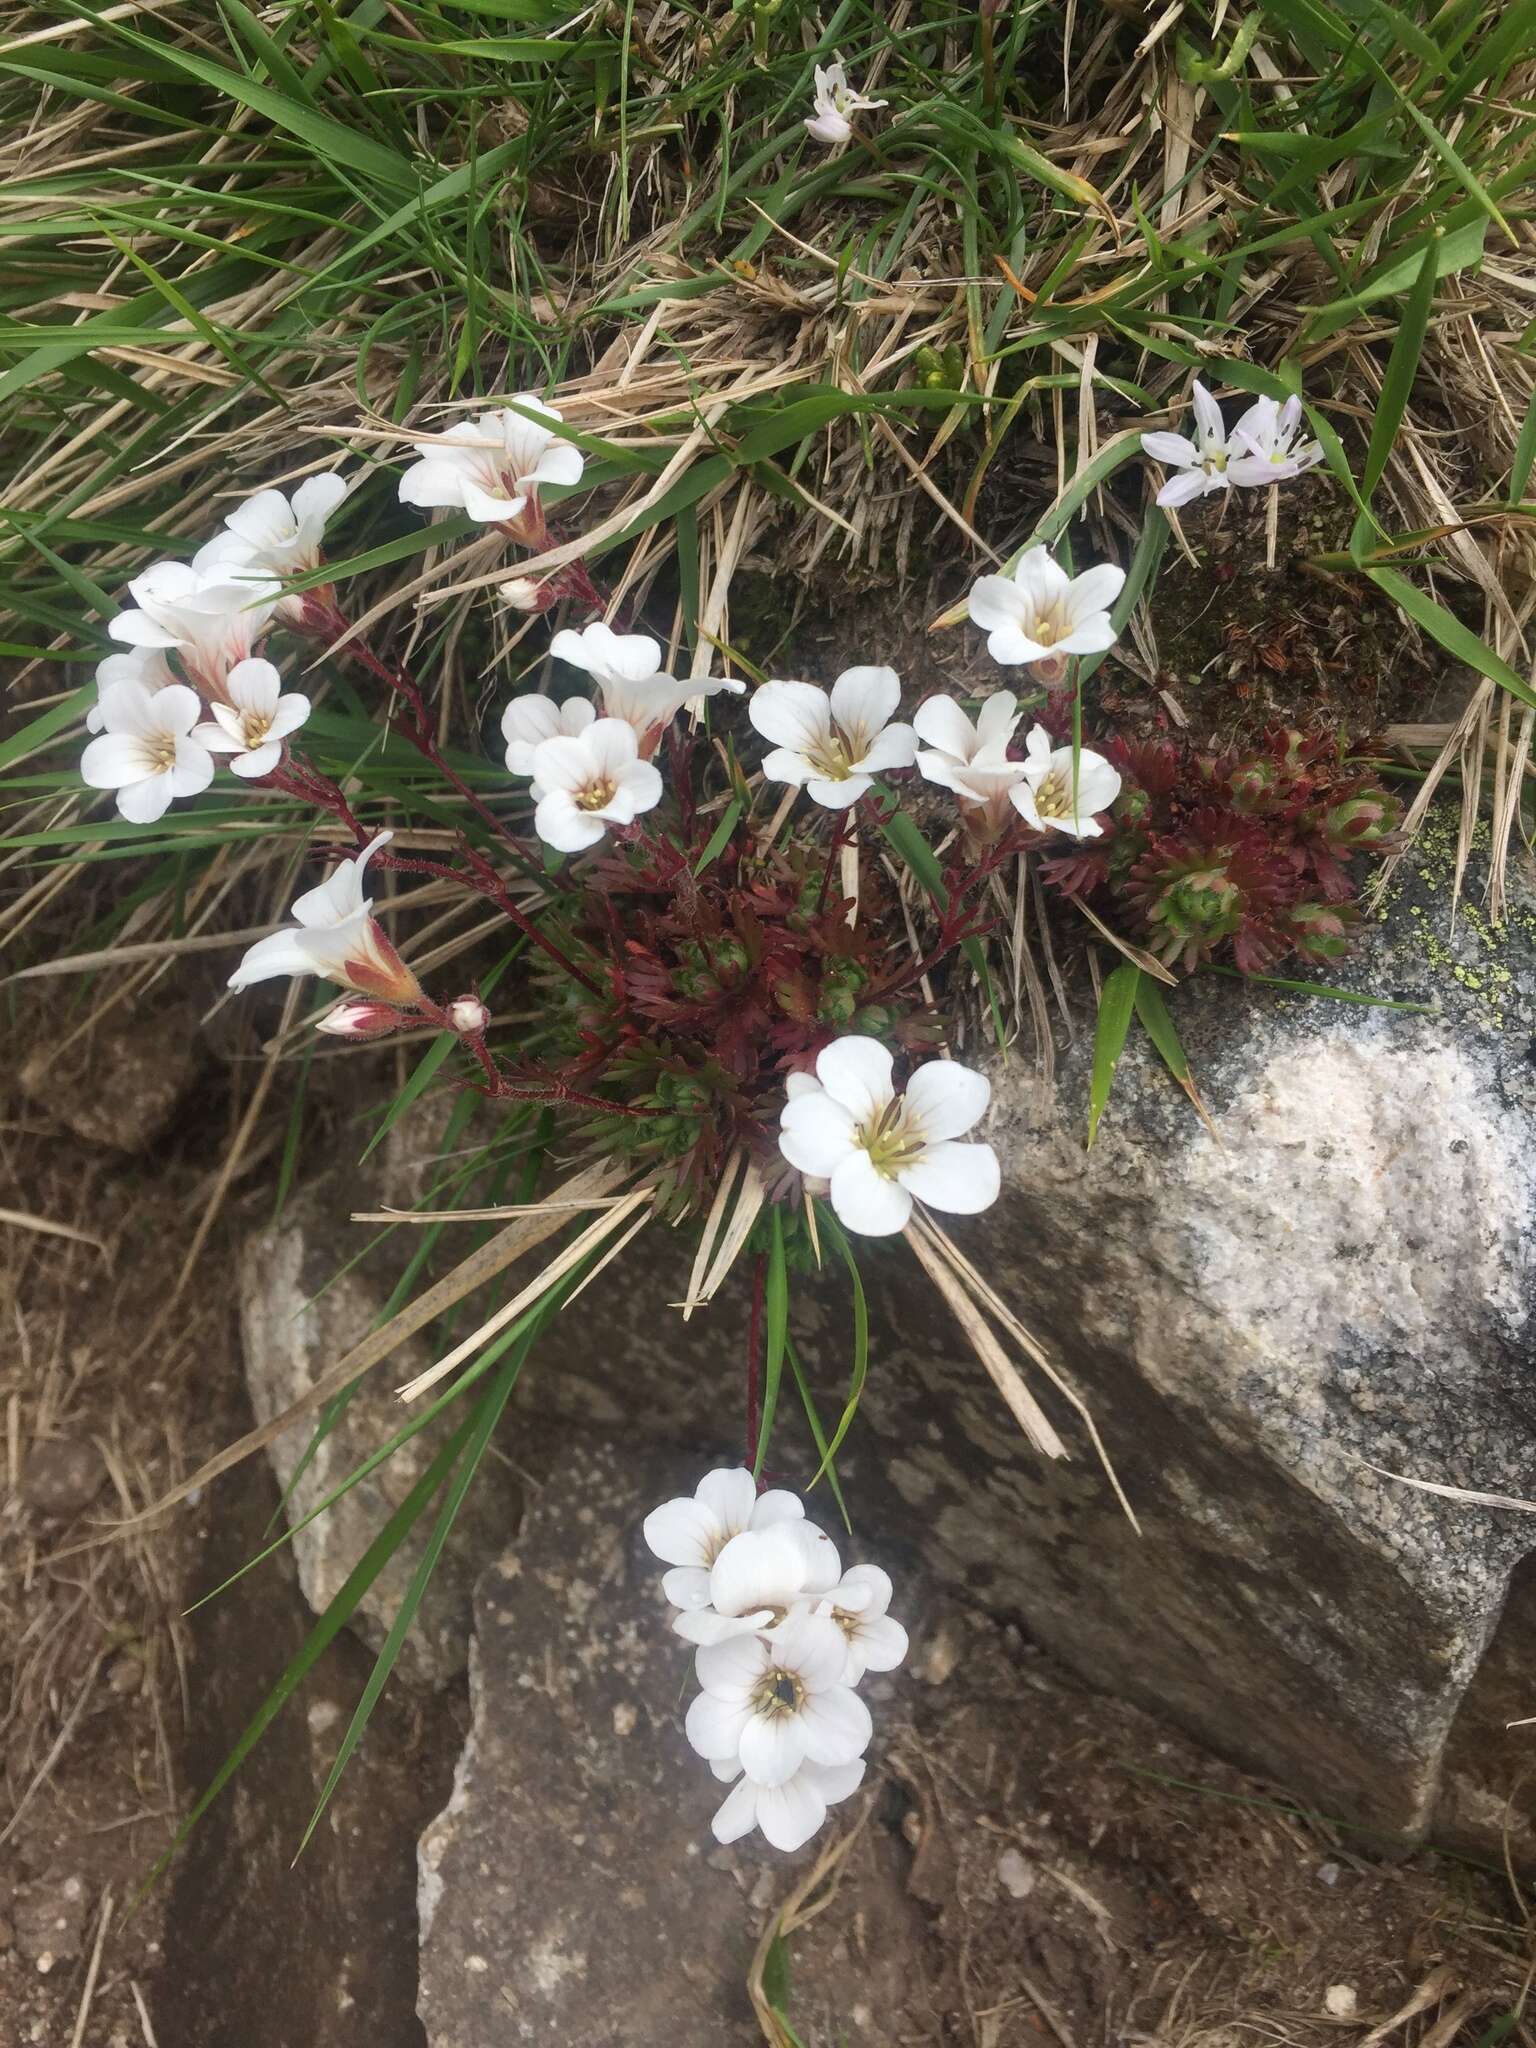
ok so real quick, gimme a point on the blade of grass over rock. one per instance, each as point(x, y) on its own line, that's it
point(833, 1231)
point(1322, 988)
point(1152, 1010)
point(775, 1335)
point(1117, 1005)
point(818, 1434)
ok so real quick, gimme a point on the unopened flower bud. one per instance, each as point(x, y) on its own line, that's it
point(362, 1020)
point(523, 594)
point(469, 1016)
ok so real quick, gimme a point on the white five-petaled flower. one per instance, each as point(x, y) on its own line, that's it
point(1201, 464)
point(147, 750)
point(335, 936)
point(759, 1578)
point(788, 1814)
point(627, 669)
point(971, 759)
point(212, 617)
point(774, 1703)
point(588, 781)
point(1264, 444)
point(858, 1604)
point(690, 1532)
point(146, 666)
point(1040, 611)
point(833, 745)
point(528, 721)
point(271, 535)
point(880, 1151)
point(836, 99)
point(252, 725)
point(492, 466)
point(1055, 797)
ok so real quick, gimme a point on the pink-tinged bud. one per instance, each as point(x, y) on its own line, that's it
point(371, 965)
point(468, 1016)
point(362, 1020)
point(526, 594)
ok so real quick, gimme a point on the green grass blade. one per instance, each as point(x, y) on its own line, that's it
point(775, 1335)
point(1117, 1003)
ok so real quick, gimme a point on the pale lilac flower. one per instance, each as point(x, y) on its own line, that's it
point(774, 1703)
point(879, 1151)
point(788, 1814)
point(858, 1604)
point(528, 721)
point(836, 99)
point(627, 670)
point(1202, 464)
point(492, 466)
point(146, 666)
point(210, 617)
point(833, 745)
point(337, 937)
point(1041, 612)
point(1266, 436)
point(252, 725)
point(272, 536)
point(1055, 797)
point(147, 750)
point(971, 760)
point(588, 781)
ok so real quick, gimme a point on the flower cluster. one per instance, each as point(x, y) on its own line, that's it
point(1262, 449)
point(783, 1637)
point(1242, 851)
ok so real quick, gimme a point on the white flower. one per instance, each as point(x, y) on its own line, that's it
point(588, 781)
point(788, 1814)
point(528, 721)
point(146, 666)
point(690, 1532)
point(1202, 463)
point(1266, 435)
point(255, 721)
point(833, 745)
point(879, 1150)
point(772, 1704)
point(627, 669)
point(971, 760)
point(836, 99)
point(1040, 611)
point(147, 751)
point(336, 937)
point(491, 466)
point(209, 616)
point(273, 536)
point(1045, 798)
point(759, 1578)
point(858, 1603)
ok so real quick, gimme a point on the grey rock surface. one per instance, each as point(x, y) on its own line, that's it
point(297, 1317)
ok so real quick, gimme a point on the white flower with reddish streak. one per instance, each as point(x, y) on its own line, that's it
point(147, 750)
point(271, 535)
point(211, 618)
point(971, 759)
point(492, 466)
point(880, 1151)
point(252, 725)
point(336, 936)
point(833, 744)
point(627, 670)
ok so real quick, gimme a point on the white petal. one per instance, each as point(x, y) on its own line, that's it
point(776, 1506)
point(142, 803)
point(943, 1099)
point(1041, 580)
point(1208, 418)
point(563, 762)
point(737, 1815)
point(682, 1532)
point(282, 953)
point(715, 1727)
point(759, 1568)
point(865, 1201)
point(1010, 645)
point(994, 603)
point(257, 762)
point(962, 1179)
point(772, 1750)
point(882, 1643)
point(561, 464)
point(820, 1568)
point(793, 715)
point(686, 1586)
point(317, 498)
point(856, 1073)
point(115, 760)
point(939, 722)
point(835, 796)
point(816, 1133)
point(895, 747)
point(730, 1494)
point(730, 1670)
point(193, 768)
point(789, 1814)
point(1098, 782)
point(703, 1627)
point(290, 714)
point(1094, 591)
point(1090, 635)
point(997, 721)
point(810, 1644)
point(265, 521)
point(253, 685)
point(1187, 486)
point(561, 825)
point(835, 1782)
point(1174, 451)
point(493, 508)
point(836, 1727)
point(433, 482)
point(863, 700)
point(867, 1590)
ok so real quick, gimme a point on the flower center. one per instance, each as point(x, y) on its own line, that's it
point(596, 795)
point(1047, 629)
point(890, 1146)
point(161, 752)
point(254, 727)
point(1053, 799)
point(778, 1693)
point(832, 758)
point(1215, 463)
